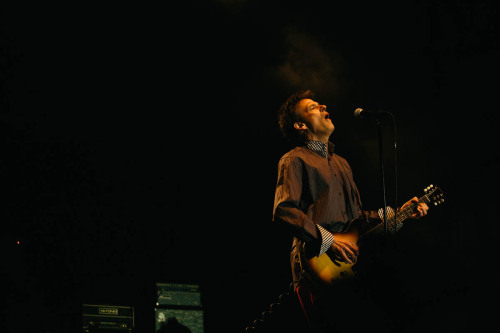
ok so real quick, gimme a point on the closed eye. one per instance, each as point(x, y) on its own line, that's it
point(312, 107)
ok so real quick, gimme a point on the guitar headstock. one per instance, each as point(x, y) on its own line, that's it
point(434, 194)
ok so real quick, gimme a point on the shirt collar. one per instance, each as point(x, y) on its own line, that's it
point(318, 147)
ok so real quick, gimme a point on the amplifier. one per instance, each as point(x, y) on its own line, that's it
point(107, 318)
point(179, 305)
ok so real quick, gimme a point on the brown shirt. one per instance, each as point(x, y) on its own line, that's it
point(315, 190)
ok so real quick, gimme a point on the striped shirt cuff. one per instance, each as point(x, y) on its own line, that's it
point(390, 215)
point(326, 240)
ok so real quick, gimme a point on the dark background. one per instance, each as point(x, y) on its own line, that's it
point(139, 144)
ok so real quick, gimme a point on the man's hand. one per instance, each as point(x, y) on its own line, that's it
point(344, 249)
point(420, 210)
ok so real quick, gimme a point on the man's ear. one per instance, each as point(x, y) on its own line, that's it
point(300, 126)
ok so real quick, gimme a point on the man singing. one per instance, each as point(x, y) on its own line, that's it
point(315, 197)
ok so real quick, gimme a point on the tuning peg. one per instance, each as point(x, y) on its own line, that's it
point(438, 202)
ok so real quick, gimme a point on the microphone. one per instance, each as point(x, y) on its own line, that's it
point(364, 113)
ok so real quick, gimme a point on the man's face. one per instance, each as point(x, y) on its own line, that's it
point(316, 119)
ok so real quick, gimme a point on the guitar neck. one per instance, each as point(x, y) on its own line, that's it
point(409, 210)
point(401, 215)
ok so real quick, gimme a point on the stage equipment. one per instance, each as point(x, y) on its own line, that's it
point(107, 318)
point(179, 303)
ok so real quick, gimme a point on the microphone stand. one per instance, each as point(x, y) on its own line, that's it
point(359, 112)
point(382, 176)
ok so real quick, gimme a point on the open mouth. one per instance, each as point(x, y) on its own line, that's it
point(327, 116)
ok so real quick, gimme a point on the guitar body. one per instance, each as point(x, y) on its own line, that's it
point(328, 269)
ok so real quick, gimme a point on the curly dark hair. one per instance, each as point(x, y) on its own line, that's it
point(288, 116)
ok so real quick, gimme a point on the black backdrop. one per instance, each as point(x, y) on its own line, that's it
point(139, 144)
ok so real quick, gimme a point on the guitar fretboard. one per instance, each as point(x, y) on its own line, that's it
point(401, 215)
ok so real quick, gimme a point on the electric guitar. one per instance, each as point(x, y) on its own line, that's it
point(329, 268)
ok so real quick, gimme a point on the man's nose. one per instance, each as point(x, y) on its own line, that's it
point(322, 108)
